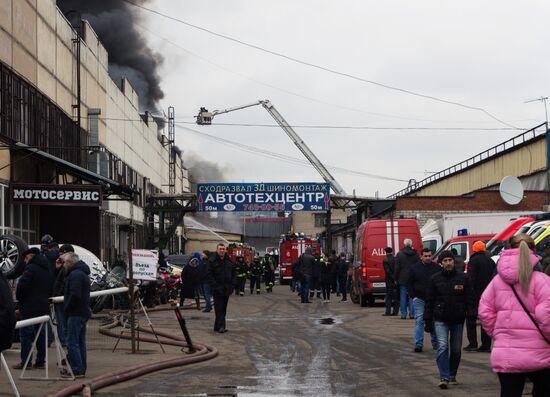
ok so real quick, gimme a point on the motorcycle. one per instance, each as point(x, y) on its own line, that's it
point(169, 287)
point(107, 280)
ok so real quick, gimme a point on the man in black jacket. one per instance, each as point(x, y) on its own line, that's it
point(59, 290)
point(481, 269)
point(7, 314)
point(342, 274)
point(403, 262)
point(32, 293)
point(419, 278)
point(306, 261)
point(77, 310)
point(392, 302)
point(449, 301)
point(221, 277)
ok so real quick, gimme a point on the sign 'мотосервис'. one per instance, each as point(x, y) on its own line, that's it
point(46, 194)
point(263, 197)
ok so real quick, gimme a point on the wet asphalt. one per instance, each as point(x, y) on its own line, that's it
point(277, 346)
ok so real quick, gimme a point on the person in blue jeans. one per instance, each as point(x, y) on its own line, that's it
point(419, 278)
point(449, 301)
point(77, 311)
point(305, 264)
point(32, 292)
point(404, 260)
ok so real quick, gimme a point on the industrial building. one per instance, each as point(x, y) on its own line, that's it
point(66, 126)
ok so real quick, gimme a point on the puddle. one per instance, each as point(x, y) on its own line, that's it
point(326, 321)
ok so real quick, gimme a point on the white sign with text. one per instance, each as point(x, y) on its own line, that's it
point(144, 264)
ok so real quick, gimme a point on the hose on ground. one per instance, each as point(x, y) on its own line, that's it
point(202, 353)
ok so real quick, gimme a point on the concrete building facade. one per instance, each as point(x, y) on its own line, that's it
point(43, 72)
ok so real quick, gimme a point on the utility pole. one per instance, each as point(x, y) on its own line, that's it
point(542, 99)
point(131, 279)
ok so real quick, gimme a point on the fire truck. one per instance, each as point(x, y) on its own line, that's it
point(236, 249)
point(291, 246)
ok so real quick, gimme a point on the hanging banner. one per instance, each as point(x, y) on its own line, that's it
point(263, 197)
point(144, 264)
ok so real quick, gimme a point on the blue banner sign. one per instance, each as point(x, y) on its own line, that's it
point(263, 197)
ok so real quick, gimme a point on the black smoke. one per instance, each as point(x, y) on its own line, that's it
point(114, 21)
point(204, 171)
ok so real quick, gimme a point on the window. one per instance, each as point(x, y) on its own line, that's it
point(320, 220)
point(461, 249)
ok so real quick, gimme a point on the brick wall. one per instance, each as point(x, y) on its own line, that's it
point(424, 208)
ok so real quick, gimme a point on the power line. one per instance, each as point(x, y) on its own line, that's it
point(263, 83)
point(351, 127)
point(324, 126)
point(281, 157)
point(323, 68)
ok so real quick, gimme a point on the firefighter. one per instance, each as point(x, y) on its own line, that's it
point(241, 270)
point(256, 271)
point(269, 273)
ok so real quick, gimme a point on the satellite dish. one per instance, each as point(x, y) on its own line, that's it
point(511, 190)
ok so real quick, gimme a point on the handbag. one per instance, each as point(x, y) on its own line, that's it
point(529, 314)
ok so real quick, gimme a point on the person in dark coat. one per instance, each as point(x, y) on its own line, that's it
point(241, 270)
point(327, 267)
point(342, 275)
point(449, 301)
point(269, 273)
point(190, 281)
point(480, 270)
point(315, 286)
point(221, 277)
point(59, 290)
point(403, 263)
point(77, 310)
point(33, 290)
point(256, 272)
point(203, 274)
point(306, 261)
point(391, 298)
point(419, 279)
point(7, 314)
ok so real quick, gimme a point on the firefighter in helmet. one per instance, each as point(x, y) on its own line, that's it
point(269, 273)
point(241, 270)
point(256, 272)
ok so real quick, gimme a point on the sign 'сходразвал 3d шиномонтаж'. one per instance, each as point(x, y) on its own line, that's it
point(43, 194)
point(263, 196)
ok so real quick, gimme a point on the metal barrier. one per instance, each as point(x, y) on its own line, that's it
point(61, 356)
point(4, 365)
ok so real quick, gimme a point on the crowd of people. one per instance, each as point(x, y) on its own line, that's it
point(511, 299)
point(317, 275)
point(49, 271)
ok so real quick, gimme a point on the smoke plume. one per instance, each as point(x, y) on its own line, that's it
point(204, 171)
point(129, 56)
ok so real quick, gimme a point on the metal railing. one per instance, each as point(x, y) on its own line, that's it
point(524, 137)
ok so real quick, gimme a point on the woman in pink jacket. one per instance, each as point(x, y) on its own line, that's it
point(520, 350)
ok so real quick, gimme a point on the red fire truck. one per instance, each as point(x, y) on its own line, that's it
point(291, 246)
point(236, 249)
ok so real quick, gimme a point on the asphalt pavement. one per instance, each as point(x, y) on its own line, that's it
point(277, 346)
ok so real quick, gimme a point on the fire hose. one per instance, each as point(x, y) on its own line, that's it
point(197, 353)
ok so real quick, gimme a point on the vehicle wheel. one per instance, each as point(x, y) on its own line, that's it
point(11, 260)
point(100, 303)
point(364, 300)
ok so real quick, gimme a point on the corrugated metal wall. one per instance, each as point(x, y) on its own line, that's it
point(523, 161)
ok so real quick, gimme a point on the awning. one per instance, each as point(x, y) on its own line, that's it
point(109, 186)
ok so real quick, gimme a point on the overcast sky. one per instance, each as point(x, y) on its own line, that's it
point(488, 54)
